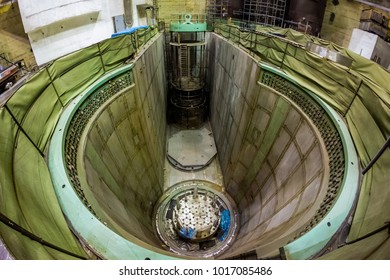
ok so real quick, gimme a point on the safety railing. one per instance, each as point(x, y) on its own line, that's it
point(28, 120)
point(360, 93)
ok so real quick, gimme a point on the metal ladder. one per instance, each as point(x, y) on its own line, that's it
point(184, 61)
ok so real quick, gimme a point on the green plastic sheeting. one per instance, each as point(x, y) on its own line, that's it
point(373, 210)
point(27, 196)
point(28, 199)
point(361, 94)
point(375, 247)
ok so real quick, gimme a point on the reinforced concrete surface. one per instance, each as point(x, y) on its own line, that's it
point(272, 158)
point(191, 149)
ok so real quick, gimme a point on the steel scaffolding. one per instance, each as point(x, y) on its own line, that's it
point(265, 12)
point(216, 9)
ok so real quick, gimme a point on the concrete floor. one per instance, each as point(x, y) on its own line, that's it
point(211, 173)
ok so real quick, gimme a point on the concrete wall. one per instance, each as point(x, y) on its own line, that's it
point(139, 15)
point(273, 161)
point(347, 17)
point(125, 151)
point(168, 7)
point(14, 43)
point(56, 28)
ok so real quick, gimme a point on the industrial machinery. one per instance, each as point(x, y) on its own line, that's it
point(187, 80)
point(9, 74)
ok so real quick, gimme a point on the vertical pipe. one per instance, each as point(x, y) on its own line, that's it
point(149, 15)
point(189, 62)
point(128, 11)
point(179, 49)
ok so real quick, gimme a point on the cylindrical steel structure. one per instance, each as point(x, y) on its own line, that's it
point(188, 66)
point(128, 9)
point(188, 99)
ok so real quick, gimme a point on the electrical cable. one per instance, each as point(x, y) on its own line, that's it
point(8, 222)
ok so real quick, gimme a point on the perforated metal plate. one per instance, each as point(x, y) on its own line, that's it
point(198, 213)
point(328, 133)
point(195, 218)
point(79, 122)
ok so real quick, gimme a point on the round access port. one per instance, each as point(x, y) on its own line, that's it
point(197, 219)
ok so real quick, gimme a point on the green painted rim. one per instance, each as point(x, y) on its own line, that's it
point(318, 237)
point(98, 237)
point(193, 27)
point(110, 245)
